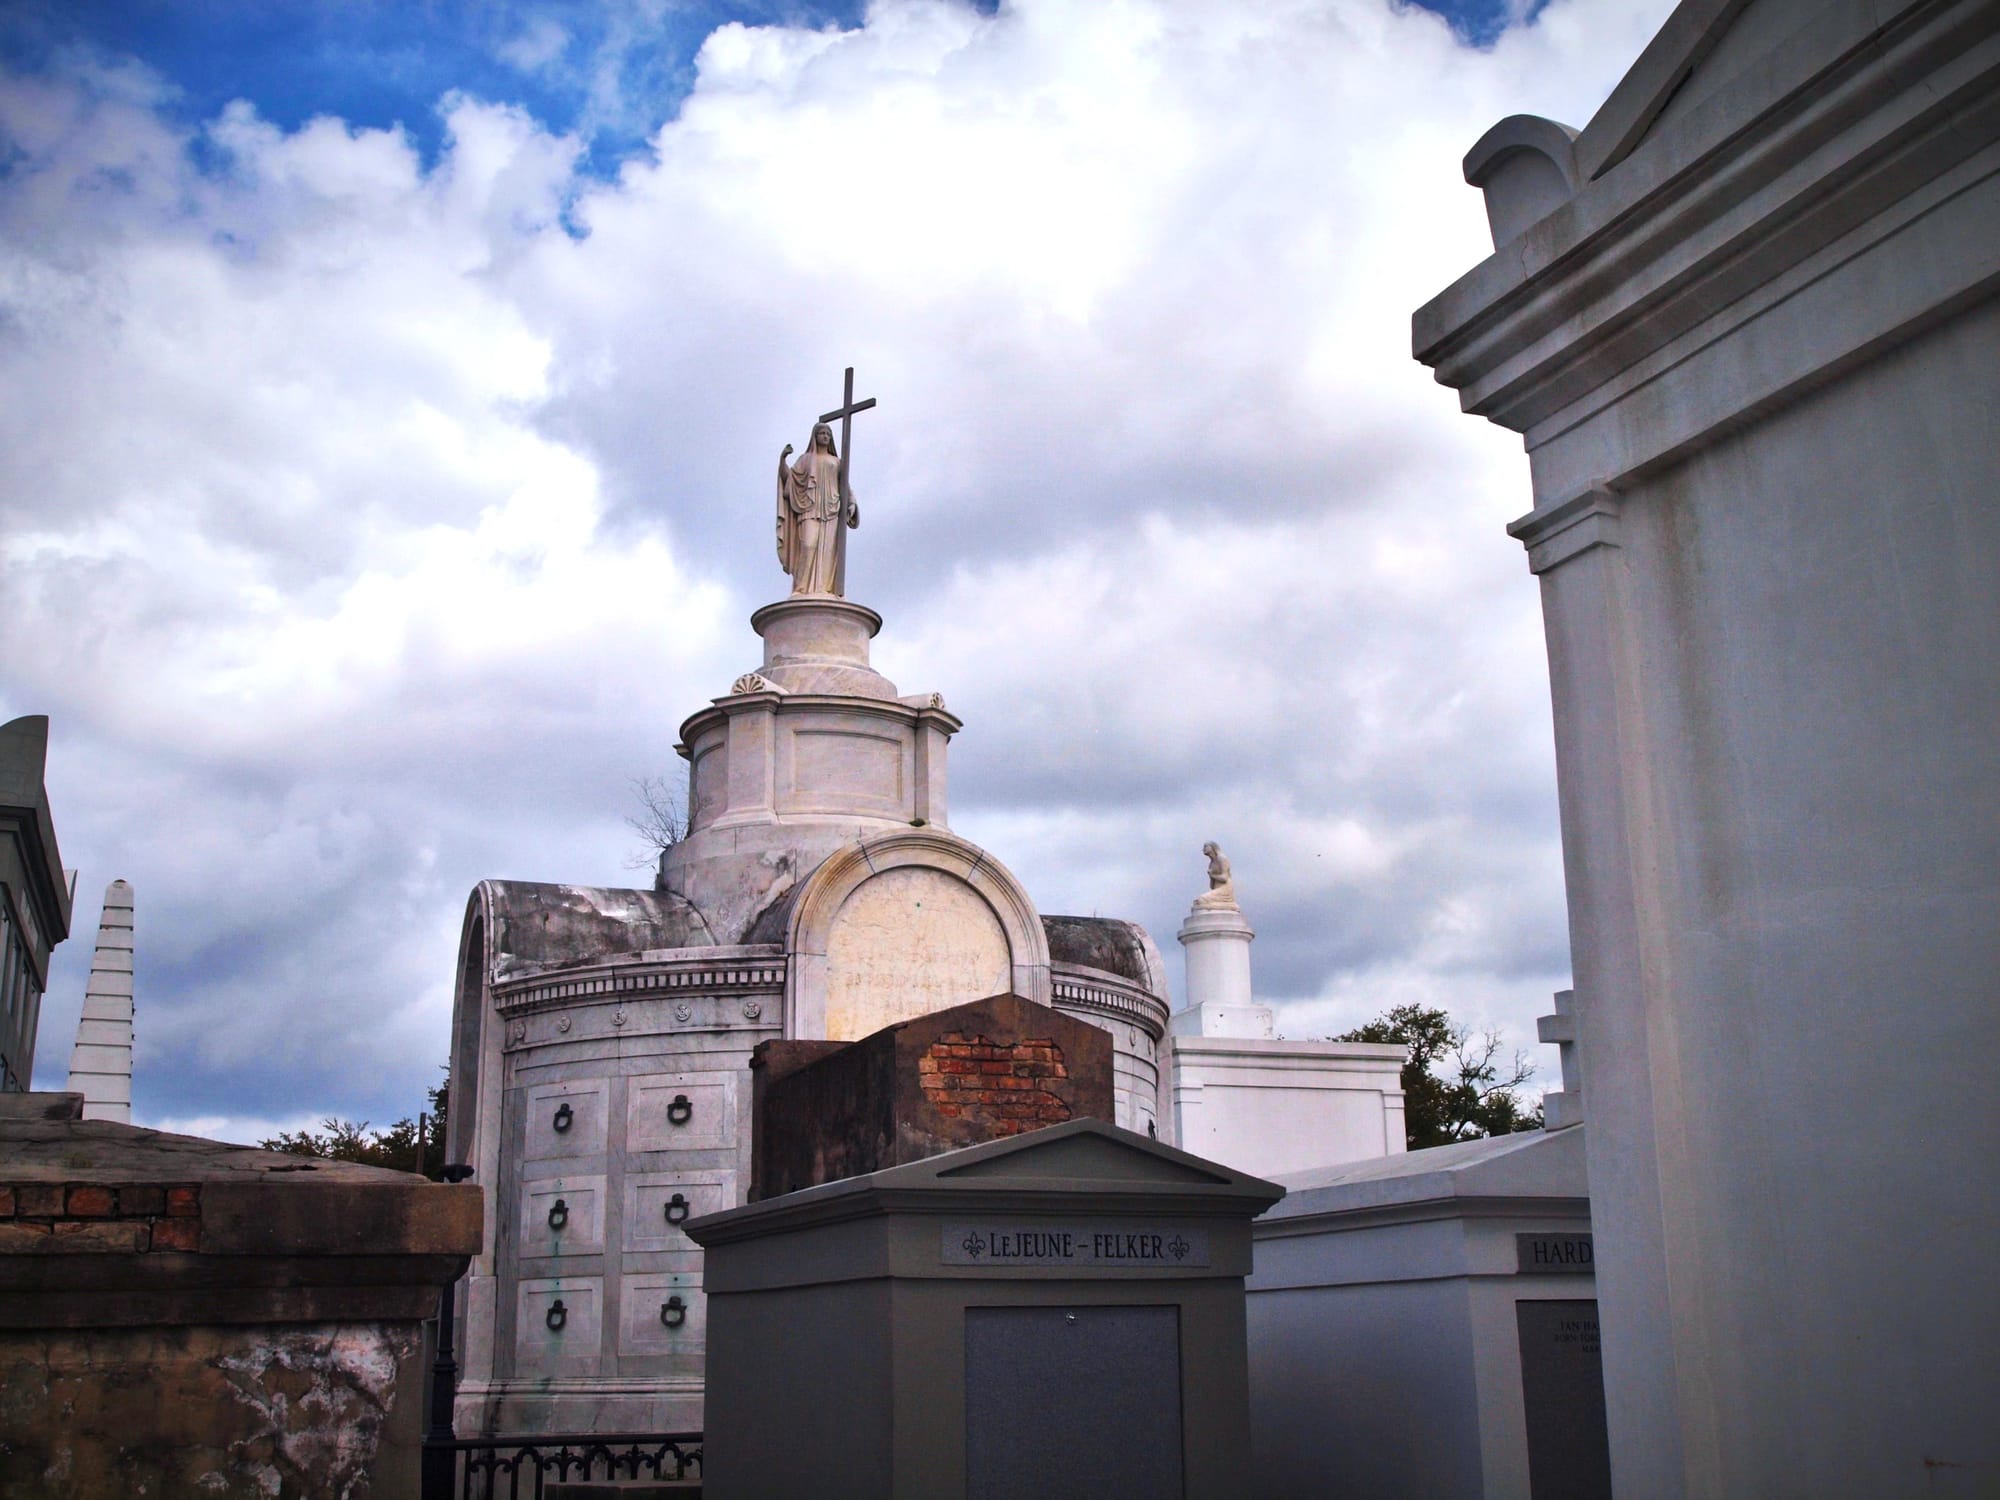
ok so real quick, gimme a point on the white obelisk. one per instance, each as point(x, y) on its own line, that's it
point(100, 1067)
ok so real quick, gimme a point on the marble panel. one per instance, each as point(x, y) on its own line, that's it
point(681, 1112)
point(562, 1216)
point(907, 942)
point(663, 1313)
point(565, 1338)
point(835, 765)
point(567, 1120)
point(658, 1203)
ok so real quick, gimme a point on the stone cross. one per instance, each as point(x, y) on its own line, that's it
point(1563, 1108)
point(845, 411)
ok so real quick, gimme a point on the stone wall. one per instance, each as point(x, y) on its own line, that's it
point(186, 1317)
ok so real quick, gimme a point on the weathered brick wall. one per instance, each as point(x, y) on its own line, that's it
point(191, 1318)
point(64, 1218)
point(1006, 1084)
point(313, 1411)
point(976, 1072)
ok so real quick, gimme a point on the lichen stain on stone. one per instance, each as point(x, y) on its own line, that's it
point(322, 1396)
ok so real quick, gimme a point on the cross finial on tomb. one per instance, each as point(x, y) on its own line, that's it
point(1565, 1107)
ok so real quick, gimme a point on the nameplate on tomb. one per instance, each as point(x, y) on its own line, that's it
point(1555, 1255)
point(1101, 1246)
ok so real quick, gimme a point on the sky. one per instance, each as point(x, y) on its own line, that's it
point(389, 395)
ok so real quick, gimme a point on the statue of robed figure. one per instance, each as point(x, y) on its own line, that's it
point(815, 511)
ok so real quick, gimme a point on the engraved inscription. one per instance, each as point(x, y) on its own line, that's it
point(1159, 1247)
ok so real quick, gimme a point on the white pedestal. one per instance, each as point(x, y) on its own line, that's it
point(1219, 1002)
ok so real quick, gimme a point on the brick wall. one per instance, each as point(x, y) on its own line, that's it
point(974, 1077)
point(67, 1218)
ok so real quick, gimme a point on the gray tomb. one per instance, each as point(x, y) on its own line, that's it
point(1057, 1314)
point(1426, 1324)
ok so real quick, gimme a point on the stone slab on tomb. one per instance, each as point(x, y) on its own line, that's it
point(957, 1077)
point(1458, 1282)
point(1056, 1314)
point(185, 1316)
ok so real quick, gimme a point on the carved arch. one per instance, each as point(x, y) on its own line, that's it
point(823, 893)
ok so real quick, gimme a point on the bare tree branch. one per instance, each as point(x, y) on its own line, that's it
point(661, 820)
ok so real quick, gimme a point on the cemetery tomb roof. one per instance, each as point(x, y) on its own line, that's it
point(534, 923)
point(1121, 948)
point(1528, 1164)
point(1119, 1167)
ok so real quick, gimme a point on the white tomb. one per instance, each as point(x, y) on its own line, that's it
point(1745, 322)
point(1425, 1325)
point(602, 1037)
point(1246, 1098)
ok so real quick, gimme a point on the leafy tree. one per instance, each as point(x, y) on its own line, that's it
point(396, 1147)
point(1453, 1087)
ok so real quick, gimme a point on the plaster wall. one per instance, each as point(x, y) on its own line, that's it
point(1363, 1390)
point(1754, 363)
point(1793, 1018)
point(1271, 1107)
point(1385, 1350)
point(320, 1411)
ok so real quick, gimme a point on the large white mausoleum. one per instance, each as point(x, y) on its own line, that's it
point(600, 1077)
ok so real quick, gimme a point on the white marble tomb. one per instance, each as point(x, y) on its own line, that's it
point(1248, 1098)
point(1745, 322)
point(600, 1084)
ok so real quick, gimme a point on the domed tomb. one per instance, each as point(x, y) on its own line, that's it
point(602, 1036)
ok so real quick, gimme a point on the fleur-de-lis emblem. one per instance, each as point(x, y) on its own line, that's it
point(1178, 1248)
point(975, 1246)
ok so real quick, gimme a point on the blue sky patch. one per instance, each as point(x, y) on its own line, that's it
point(612, 72)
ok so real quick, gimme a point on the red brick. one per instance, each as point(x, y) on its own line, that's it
point(42, 1200)
point(91, 1202)
point(142, 1202)
point(176, 1234)
point(101, 1235)
point(994, 1069)
point(6, 1203)
point(16, 1238)
point(184, 1202)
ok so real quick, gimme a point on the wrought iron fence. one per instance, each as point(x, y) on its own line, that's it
point(518, 1468)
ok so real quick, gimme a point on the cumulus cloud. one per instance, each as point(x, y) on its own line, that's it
point(367, 526)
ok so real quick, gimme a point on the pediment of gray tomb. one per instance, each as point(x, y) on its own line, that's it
point(602, 1036)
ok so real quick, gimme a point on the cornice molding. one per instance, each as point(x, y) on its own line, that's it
point(1558, 533)
point(1078, 987)
point(1721, 204)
